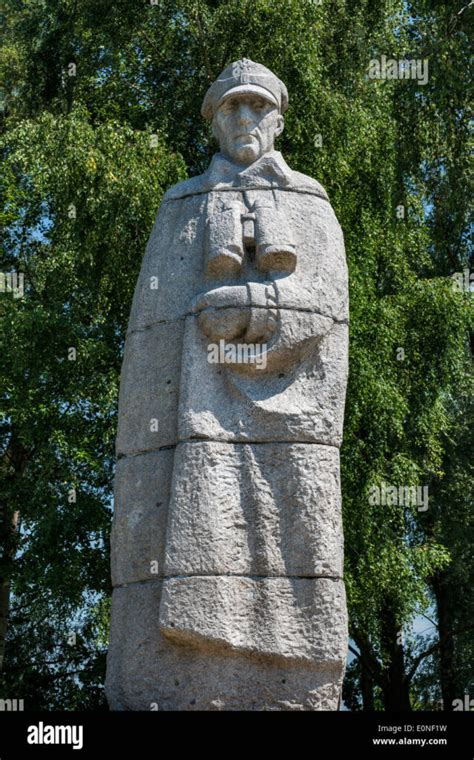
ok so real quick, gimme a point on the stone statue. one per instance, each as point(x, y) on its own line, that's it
point(227, 546)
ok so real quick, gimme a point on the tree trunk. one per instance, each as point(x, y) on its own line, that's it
point(396, 694)
point(446, 648)
point(367, 689)
point(8, 529)
point(12, 466)
point(371, 674)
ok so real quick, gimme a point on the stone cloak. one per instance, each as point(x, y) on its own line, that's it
point(227, 486)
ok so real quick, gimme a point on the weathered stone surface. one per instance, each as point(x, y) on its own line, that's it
point(293, 618)
point(266, 509)
point(227, 542)
point(171, 270)
point(149, 384)
point(142, 492)
point(301, 399)
point(176, 256)
point(321, 263)
point(150, 670)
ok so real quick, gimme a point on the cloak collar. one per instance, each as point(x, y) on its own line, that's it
point(272, 167)
point(268, 172)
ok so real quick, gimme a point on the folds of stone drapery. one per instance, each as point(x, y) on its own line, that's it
point(227, 545)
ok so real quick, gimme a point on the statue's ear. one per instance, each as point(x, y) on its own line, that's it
point(214, 130)
point(280, 125)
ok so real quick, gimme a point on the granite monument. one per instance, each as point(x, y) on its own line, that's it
point(227, 542)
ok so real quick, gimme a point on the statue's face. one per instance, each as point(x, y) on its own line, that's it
point(245, 126)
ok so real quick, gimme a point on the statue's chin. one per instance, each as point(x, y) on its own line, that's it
point(246, 155)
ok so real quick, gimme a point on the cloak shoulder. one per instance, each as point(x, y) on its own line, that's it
point(204, 183)
point(191, 186)
point(303, 183)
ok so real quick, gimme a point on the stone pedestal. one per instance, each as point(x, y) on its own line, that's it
point(155, 669)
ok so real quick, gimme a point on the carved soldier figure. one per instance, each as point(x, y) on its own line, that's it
point(227, 546)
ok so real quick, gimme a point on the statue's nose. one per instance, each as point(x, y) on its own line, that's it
point(245, 115)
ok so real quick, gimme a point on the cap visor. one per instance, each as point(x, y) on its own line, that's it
point(254, 89)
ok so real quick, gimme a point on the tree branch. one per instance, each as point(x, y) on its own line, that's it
point(418, 660)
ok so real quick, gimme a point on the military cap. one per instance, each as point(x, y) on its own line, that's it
point(245, 76)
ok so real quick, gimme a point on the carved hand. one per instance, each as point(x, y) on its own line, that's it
point(235, 296)
point(224, 312)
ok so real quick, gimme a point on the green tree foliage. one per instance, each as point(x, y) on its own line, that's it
point(101, 113)
point(79, 200)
